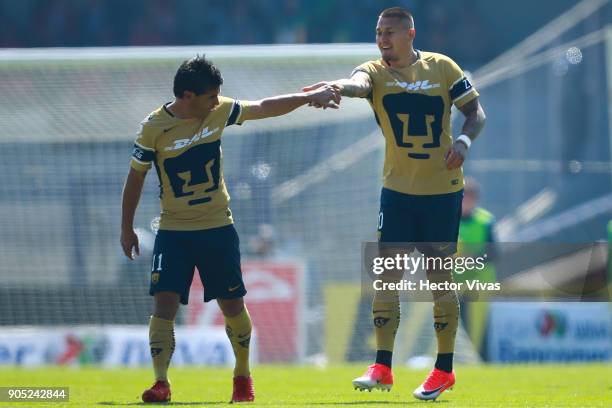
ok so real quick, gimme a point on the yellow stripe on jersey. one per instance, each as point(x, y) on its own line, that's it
point(412, 106)
point(189, 162)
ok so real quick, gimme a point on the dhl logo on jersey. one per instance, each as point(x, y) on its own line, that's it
point(181, 143)
point(414, 86)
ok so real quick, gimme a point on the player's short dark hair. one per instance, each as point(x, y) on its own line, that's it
point(399, 12)
point(197, 75)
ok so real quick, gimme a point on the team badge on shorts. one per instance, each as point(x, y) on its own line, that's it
point(155, 278)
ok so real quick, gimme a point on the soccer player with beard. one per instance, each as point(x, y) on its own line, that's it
point(411, 93)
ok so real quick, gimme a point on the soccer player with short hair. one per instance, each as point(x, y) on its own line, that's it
point(183, 140)
point(411, 93)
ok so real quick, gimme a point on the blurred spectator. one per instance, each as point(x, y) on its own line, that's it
point(476, 233)
point(476, 239)
point(267, 243)
point(460, 29)
point(261, 245)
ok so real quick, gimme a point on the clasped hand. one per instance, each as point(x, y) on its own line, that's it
point(324, 95)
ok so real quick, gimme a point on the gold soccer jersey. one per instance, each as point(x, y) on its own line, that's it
point(412, 106)
point(189, 162)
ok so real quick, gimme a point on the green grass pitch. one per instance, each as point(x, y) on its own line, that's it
point(294, 386)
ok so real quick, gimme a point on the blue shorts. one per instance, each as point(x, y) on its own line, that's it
point(420, 219)
point(216, 254)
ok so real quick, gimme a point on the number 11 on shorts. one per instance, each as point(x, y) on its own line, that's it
point(159, 262)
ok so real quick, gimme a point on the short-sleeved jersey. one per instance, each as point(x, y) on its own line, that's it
point(412, 106)
point(189, 162)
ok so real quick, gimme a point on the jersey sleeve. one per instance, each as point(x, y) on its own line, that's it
point(366, 67)
point(237, 112)
point(460, 89)
point(369, 69)
point(143, 153)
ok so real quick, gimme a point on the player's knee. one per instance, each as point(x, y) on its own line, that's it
point(231, 307)
point(166, 305)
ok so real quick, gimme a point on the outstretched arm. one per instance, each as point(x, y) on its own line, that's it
point(131, 197)
point(357, 86)
point(327, 97)
point(474, 122)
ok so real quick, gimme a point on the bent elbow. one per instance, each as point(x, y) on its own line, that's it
point(482, 116)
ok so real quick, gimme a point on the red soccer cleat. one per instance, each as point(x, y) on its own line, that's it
point(378, 376)
point(243, 389)
point(436, 383)
point(159, 392)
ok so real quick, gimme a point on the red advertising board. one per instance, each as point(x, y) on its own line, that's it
point(275, 301)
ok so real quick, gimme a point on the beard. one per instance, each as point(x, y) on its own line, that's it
point(389, 55)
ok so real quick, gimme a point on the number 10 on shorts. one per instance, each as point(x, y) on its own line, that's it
point(157, 262)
